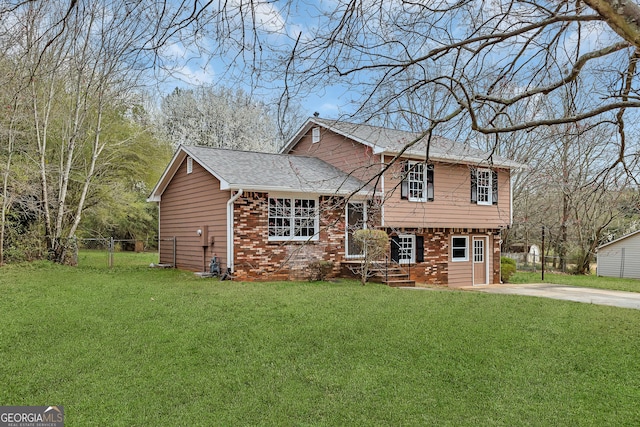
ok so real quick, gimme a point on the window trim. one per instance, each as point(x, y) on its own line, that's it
point(466, 249)
point(364, 204)
point(291, 236)
point(412, 257)
point(492, 188)
point(489, 187)
point(409, 167)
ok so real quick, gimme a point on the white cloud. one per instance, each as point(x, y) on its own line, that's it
point(194, 75)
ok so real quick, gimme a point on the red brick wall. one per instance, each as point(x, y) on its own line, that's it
point(258, 259)
point(495, 268)
point(435, 268)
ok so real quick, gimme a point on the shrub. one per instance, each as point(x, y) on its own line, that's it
point(374, 245)
point(507, 268)
point(319, 270)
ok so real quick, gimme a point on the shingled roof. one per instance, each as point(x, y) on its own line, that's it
point(392, 141)
point(255, 171)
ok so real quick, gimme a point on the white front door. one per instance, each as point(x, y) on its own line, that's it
point(406, 248)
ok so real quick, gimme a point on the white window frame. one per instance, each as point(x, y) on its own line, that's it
point(189, 165)
point(289, 218)
point(315, 135)
point(414, 180)
point(484, 187)
point(466, 249)
point(411, 248)
point(346, 222)
point(415, 185)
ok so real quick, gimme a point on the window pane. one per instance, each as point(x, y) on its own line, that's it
point(292, 217)
point(279, 217)
point(478, 251)
point(484, 186)
point(459, 248)
point(415, 182)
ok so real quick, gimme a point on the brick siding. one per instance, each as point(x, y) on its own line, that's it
point(258, 259)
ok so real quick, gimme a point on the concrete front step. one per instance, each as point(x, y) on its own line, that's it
point(399, 283)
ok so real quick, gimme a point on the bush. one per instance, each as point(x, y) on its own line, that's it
point(507, 268)
point(319, 270)
point(374, 245)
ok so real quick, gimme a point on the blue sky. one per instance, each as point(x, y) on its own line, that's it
point(191, 64)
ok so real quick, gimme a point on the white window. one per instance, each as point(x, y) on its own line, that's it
point(189, 164)
point(356, 220)
point(406, 249)
point(293, 219)
point(417, 182)
point(478, 251)
point(484, 186)
point(460, 248)
point(315, 135)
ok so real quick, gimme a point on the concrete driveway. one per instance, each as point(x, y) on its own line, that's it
point(569, 293)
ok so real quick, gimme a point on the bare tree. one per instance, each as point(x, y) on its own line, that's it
point(79, 63)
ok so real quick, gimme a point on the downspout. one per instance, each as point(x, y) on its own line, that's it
point(230, 229)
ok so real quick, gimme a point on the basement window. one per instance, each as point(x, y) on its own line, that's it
point(459, 248)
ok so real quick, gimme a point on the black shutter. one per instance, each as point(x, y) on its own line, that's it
point(419, 248)
point(494, 187)
point(474, 185)
point(404, 185)
point(430, 186)
point(395, 248)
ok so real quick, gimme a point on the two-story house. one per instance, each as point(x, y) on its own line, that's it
point(268, 216)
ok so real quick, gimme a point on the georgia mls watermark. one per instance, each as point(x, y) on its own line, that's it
point(31, 416)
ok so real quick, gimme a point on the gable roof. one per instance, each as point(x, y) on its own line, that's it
point(254, 171)
point(391, 142)
point(619, 239)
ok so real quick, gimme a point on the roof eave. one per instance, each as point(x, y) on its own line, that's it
point(280, 189)
point(455, 159)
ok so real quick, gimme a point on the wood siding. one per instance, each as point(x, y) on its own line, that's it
point(191, 202)
point(461, 273)
point(452, 206)
point(620, 259)
point(347, 155)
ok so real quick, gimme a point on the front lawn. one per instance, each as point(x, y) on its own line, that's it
point(588, 281)
point(133, 346)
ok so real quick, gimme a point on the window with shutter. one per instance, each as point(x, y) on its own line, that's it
point(417, 182)
point(484, 186)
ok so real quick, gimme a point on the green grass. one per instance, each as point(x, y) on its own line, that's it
point(132, 346)
point(100, 258)
point(589, 281)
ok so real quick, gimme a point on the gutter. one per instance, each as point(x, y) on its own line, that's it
point(230, 229)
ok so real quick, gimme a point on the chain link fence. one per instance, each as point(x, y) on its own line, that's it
point(111, 252)
point(533, 262)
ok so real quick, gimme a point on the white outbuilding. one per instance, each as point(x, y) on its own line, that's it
point(621, 257)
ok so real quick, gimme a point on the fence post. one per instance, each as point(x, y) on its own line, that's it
point(111, 249)
point(543, 253)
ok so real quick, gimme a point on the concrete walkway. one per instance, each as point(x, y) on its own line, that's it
point(564, 292)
